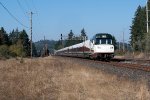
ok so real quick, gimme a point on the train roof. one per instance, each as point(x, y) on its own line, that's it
point(103, 35)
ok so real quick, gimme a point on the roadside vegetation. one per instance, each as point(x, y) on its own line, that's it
point(59, 79)
point(140, 39)
point(15, 44)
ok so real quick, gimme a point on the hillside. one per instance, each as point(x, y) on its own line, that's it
point(40, 45)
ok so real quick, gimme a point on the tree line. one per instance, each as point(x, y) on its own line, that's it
point(71, 39)
point(140, 39)
point(16, 43)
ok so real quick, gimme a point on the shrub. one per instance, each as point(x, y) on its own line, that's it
point(17, 50)
point(4, 51)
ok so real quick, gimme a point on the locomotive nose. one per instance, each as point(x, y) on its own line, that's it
point(98, 47)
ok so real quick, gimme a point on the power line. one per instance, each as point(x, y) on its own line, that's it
point(12, 15)
point(23, 10)
point(34, 6)
point(29, 8)
point(27, 4)
point(37, 18)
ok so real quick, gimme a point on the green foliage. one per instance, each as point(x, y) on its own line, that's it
point(71, 40)
point(4, 51)
point(39, 44)
point(15, 44)
point(147, 44)
point(17, 50)
point(20, 43)
point(4, 40)
point(138, 29)
point(83, 34)
point(24, 41)
point(13, 36)
point(58, 45)
point(70, 35)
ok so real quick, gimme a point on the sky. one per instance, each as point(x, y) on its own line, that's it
point(54, 17)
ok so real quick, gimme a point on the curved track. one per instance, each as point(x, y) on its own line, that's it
point(143, 65)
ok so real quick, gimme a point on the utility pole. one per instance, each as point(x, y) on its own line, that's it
point(31, 13)
point(44, 39)
point(123, 43)
point(119, 46)
point(45, 47)
point(147, 20)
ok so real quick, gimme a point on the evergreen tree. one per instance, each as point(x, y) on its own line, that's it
point(16, 44)
point(24, 40)
point(13, 36)
point(83, 34)
point(73, 39)
point(4, 40)
point(70, 40)
point(70, 35)
point(138, 29)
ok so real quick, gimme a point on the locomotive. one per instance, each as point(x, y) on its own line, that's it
point(99, 47)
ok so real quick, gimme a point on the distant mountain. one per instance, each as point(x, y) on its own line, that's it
point(40, 45)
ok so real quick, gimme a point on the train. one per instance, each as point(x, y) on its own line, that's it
point(99, 47)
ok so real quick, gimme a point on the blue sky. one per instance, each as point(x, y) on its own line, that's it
point(53, 17)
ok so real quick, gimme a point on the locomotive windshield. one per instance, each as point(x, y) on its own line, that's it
point(103, 41)
point(102, 38)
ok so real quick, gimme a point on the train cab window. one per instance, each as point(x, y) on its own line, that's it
point(103, 41)
point(109, 41)
point(97, 41)
point(100, 41)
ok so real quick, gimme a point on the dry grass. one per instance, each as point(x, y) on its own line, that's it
point(53, 79)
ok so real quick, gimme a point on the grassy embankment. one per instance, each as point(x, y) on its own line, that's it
point(53, 79)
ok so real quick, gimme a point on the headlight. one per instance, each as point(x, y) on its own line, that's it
point(111, 47)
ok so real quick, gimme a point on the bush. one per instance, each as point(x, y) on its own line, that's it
point(16, 50)
point(147, 46)
point(4, 51)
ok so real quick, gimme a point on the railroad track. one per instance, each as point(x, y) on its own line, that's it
point(132, 66)
point(143, 65)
